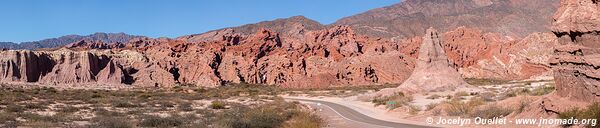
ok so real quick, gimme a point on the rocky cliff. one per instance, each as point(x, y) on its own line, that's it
point(576, 61)
point(319, 58)
point(476, 54)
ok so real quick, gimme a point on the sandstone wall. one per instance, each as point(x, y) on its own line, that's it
point(577, 61)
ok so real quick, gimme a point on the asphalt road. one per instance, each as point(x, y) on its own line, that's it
point(353, 115)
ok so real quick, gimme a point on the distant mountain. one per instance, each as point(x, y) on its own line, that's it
point(61, 41)
point(411, 17)
point(292, 26)
point(283, 25)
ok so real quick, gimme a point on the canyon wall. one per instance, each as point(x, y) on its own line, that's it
point(577, 61)
point(320, 58)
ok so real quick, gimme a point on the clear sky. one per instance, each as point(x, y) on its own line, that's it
point(31, 20)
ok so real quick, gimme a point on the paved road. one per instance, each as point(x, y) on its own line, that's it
point(353, 115)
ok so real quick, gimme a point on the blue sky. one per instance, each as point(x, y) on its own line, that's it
point(30, 20)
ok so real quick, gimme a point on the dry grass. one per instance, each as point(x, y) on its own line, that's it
point(393, 101)
point(460, 108)
point(479, 82)
point(140, 107)
point(592, 111)
point(305, 120)
point(491, 111)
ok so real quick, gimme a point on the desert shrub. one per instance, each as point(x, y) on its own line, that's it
point(272, 114)
point(305, 120)
point(477, 81)
point(413, 110)
point(186, 107)
point(104, 112)
point(517, 92)
point(162, 122)
point(263, 118)
point(109, 122)
point(542, 90)
point(434, 96)
point(217, 105)
point(487, 96)
point(592, 111)
point(14, 108)
point(431, 106)
point(460, 108)
point(522, 106)
point(37, 106)
point(123, 104)
point(491, 111)
point(7, 117)
point(69, 109)
point(393, 101)
point(36, 117)
point(461, 93)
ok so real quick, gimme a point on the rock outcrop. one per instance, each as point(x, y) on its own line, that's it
point(491, 56)
point(576, 61)
point(329, 57)
point(433, 71)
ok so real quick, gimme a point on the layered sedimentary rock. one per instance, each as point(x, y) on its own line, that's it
point(319, 58)
point(577, 61)
point(433, 71)
point(491, 56)
point(411, 17)
point(328, 57)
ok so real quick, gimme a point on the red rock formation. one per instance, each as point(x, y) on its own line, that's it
point(433, 70)
point(576, 62)
point(490, 56)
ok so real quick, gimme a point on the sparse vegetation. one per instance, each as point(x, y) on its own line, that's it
point(413, 110)
point(542, 90)
point(217, 105)
point(110, 122)
point(393, 101)
point(161, 122)
point(273, 114)
point(461, 108)
point(148, 107)
point(305, 120)
point(434, 96)
point(491, 111)
point(478, 82)
point(592, 111)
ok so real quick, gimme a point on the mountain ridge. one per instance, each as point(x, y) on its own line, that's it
point(63, 40)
